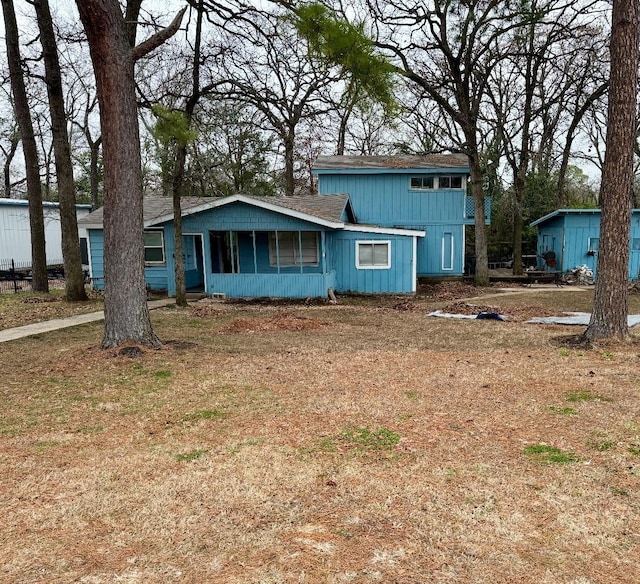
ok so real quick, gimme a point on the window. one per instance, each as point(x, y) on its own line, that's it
point(450, 182)
point(429, 182)
point(373, 255)
point(290, 251)
point(594, 244)
point(447, 251)
point(420, 183)
point(635, 244)
point(153, 247)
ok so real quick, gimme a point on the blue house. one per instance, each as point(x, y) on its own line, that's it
point(573, 235)
point(377, 224)
point(244, 246)
point(427, 193)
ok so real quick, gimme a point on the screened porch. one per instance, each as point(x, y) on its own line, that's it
point(269, 263)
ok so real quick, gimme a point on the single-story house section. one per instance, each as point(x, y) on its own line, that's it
point(277, 247)
point(573, 235)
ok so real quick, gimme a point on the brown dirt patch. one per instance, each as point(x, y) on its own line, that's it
point(282, 321)
point(450, 291)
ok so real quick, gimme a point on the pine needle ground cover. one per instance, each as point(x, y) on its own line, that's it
point(361, 442)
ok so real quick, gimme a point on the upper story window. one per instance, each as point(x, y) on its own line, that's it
point(422, 183)
point(429, 182)
point(450, 182)
point(154, 247)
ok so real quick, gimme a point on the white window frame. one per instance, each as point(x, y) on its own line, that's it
point(451, 177)
point(423, 188)
point(161, 247)
point(275, 251)
point(373, 242)
point(451, 259)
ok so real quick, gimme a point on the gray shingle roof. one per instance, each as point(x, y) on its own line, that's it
point(327, 207)
point(392, 162)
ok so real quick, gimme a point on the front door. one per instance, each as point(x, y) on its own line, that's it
point(193, 262)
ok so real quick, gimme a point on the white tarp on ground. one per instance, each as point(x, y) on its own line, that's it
point(580, 318)
point(479, 316)
point(571, 318)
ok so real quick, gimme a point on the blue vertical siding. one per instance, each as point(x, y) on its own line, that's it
point(257, 278)
point(336, 268)
point(570, 232)
point(430, 250)
point(396, 279)
point(577, 231)
point(272, 285)
point(242, 217)
point(155, 276)
point(96, 255)
point(387, 200)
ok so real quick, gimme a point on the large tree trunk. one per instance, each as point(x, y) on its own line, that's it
point(610, 307)
point(289, 152)
point(74, 278)
point(178, 182)
point(180, 165)
point(40, 282)
point(126, 312)
point(477, 190)
point(94, 178)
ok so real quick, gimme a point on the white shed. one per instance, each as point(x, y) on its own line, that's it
point(15, 233)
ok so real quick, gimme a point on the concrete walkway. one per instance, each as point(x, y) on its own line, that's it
point(61, 323)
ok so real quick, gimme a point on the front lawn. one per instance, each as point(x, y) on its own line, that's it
point(358, 442)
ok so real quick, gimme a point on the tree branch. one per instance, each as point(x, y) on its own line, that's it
point(154, 41)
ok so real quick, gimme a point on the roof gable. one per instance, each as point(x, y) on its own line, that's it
point(327, 210)
point(571, 212)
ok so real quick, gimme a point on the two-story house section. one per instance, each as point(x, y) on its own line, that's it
point(427, 193)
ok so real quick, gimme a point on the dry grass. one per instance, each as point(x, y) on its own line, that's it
point(29, 307)
point(259, 445)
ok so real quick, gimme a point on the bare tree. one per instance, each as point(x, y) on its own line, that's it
point(84, 105)
point(111, 35)
point(448, 51)
point(40, 281)
point(74, 278)
point(9, 147)
point(611, 302)
point(270, 68)
point(539, 93)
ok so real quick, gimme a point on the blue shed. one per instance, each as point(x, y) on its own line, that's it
point(245, 246)
point(573, 235)
point(425, 193)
